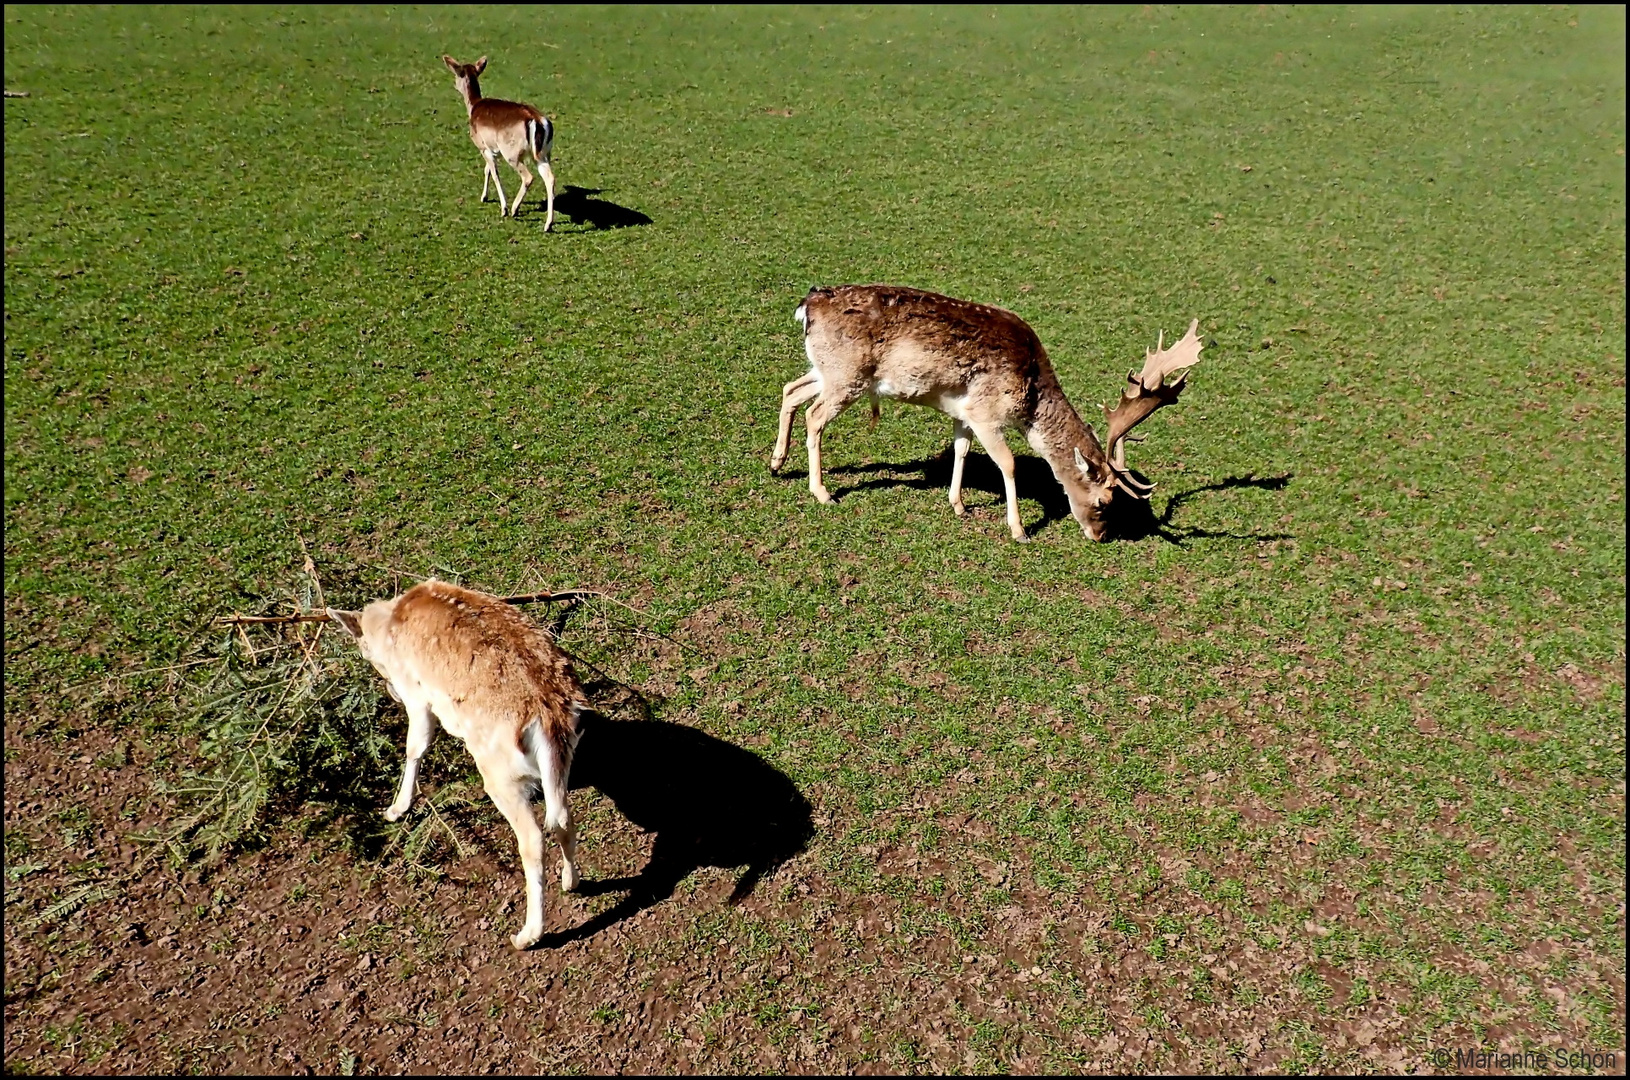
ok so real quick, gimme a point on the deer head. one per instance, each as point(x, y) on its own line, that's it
point(464, 77)
point(366, 628)
point(1103, 468)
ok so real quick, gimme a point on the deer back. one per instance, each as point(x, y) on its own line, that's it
point(928, 349)
point(492, 118)
point(484, 669)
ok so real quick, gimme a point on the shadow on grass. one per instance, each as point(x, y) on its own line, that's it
point(1033, 477)
point(597, 215)
point(1133, 520)
point(1139, 521)
point(710, 803)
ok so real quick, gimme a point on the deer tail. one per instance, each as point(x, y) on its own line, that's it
point(552, 749)
point(540, 135)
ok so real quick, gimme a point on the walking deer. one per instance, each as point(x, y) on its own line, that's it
point(492, 679)
point(983, 367)
point(506, 128)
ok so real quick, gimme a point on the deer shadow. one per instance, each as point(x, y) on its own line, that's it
point(1130, 519)
point(709, 802)
point(596, 215)
point(1032, 476)
point(1137, 521)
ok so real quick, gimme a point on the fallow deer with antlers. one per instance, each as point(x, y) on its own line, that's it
point(492, 679)
point(508, 129)
point(986, 369)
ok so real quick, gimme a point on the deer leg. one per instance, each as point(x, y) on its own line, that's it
point(554, 765)
point(492, 172)
point(509, 794)
point(816, 417)
point(990, 437)
point(793, 395)
point(526, 182)
point(961, 437)
point(486, 176)
point(548, 174)
point(566, 837)
point(421, 726)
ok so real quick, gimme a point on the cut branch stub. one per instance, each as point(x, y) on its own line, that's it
point(1145, 392)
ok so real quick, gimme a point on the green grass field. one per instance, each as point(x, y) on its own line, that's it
point(1326, 773)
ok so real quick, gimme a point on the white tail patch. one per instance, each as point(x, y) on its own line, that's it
point(540, 134)
point(552, 776)
point(801, 316)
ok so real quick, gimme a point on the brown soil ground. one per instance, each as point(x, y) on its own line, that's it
point(299, 957)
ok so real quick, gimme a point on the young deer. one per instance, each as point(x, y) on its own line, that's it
point(492, 679)
point(985, 369)
point(506, 128)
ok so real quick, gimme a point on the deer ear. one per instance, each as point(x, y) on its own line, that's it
point(1095, 468)
point(452, 65)
point(350, 621)
point(481, 65)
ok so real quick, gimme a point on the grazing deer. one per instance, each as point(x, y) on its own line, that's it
point(985, 369)
point(492, 679)
point(506, 128)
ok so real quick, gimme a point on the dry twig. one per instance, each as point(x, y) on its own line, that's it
point(529, 598)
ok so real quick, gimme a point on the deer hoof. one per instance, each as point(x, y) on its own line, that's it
point(392, 813)
point(568, 877)
point(526, 938)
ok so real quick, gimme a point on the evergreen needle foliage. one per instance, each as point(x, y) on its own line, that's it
point(272, 731)
point(305, 720)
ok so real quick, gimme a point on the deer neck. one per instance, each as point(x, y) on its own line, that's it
point(472, 96)
point(1056, 431)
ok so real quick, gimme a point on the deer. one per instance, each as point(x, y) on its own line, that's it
point(985, 368)
point(474, 664)
point(508, 129)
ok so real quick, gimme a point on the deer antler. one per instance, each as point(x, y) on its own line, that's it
point(1145, 392)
